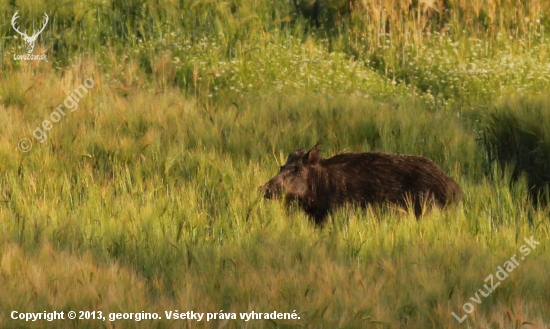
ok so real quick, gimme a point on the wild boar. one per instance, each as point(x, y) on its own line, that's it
point(320, 185)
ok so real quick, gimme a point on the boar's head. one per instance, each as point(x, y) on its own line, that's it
point(292, 179)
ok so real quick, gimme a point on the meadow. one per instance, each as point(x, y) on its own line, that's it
point(145, 198)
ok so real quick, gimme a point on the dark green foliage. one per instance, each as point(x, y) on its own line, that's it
point(517, 136)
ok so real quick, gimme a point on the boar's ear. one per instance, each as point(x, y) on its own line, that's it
point(313, 156)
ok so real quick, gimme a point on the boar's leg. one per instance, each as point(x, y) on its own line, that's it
point(318, 215)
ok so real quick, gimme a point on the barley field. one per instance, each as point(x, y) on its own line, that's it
point(131, 156)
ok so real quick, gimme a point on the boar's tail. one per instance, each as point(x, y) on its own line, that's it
point(454, 192)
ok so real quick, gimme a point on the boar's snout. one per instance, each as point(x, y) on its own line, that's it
point(270, 191)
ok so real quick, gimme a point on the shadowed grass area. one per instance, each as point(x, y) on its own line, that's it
point(517, 136)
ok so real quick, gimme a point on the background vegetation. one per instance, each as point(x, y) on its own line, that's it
point(145, 198)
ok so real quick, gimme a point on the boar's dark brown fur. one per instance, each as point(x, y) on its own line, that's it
point(320, 185)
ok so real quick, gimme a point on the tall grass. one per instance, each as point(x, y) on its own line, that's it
point(145, 198)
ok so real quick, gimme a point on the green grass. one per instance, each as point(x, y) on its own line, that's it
point(145, 198)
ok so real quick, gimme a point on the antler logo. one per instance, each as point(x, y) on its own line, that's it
point(32, 39)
